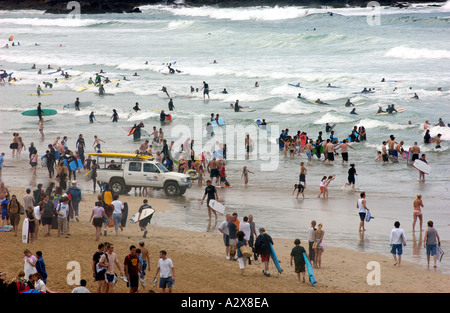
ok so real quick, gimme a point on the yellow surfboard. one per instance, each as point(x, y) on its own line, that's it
point(120, 155)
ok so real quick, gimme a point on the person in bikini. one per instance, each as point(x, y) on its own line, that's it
point(417, 212)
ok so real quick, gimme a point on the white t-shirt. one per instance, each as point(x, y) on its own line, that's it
point(118, 207)
point(37, 212)
point(80, 289)
point(164, 267)
point(63, 208)
point(311, 234)
point(40, 286)
point(245, 227)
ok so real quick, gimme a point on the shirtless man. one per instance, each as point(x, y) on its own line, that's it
point(145, 258)
point(155, 135)
point(213, 168)
point(144, 146)
point(415, 150)
point(325, 145)
point(343, 146)
point(308, 148)
point(417, 213)
point(437, 140)
point(302, 176)
point(399, 149)
point(384, 153)
point(330, 152)
point(391, 144)
point(3, 191)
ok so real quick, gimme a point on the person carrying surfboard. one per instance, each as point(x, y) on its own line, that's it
point(211, 192)
point(299, 260)
point(262, 247)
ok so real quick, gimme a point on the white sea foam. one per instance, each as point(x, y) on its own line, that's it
point(403, 52)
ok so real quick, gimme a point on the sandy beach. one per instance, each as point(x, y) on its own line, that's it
point(200, 262)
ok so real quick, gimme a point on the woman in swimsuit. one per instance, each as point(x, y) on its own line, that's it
point(325, 185)
point(322, 183)
point(417, 212)
point(318, 238)
point(245, 172)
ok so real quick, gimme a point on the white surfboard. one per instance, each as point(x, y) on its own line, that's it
point(422, 166)
point(217, 206)
point(145, 213)
point(88, 175)
point(25, 230)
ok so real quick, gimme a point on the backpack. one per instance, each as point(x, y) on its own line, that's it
point(261, 245)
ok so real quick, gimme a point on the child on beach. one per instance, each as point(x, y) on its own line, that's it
point(325, 185)
point(351, 177)
point(322, 186)
point(245, 172)
point(300, 189)
point(201, 172)
point(299, 260)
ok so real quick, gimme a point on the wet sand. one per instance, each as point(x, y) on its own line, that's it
point(200, 263)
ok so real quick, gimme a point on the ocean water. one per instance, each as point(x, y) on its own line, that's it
point(410, 48)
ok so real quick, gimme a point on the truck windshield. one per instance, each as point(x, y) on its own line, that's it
point(162, 168)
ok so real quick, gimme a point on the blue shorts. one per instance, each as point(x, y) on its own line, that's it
point(163, 282)
point(362, 216)
point(431, 249)
point(397, 248)
point(5, 214)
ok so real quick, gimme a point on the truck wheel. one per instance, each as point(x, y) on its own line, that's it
point(117, 186)
point(171, 189)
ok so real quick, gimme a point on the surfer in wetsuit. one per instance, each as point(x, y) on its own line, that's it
point(39, 111)
point(225, 91)
point(162, 116)
point(299, 96)
point(39, 89)
point(137, 131)
point(115, 116)
point(236, 106)
point(353, 111)
point(170, 104)
point(164, 89)
point(380, 110)
point(136, 107)
point(91, 117)
point(101, 90)
point(349, 103)
point(77, 104)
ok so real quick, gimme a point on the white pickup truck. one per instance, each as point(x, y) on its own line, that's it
point(139, 172)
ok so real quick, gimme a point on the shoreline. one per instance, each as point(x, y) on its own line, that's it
point(200, 263)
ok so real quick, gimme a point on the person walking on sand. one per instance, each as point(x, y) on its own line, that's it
point(431, 241)
point(417, 212)
point(299, 260)
point(262, 247)
point(241, 242)
point(166, 272)
point(145, 258)
point(144, 222)
point(311, 231)
point(132, 269)
point(362, 210)
point(397, 239)
point(109, 260)
point(211, 192)
point(318, 245)
point(223, 229)
point(97, 216)
point(117, 213)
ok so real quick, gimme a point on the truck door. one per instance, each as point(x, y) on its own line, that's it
point(134, 174)
point(151, 175)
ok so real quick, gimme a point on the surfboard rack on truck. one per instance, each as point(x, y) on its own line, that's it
point(123, 171)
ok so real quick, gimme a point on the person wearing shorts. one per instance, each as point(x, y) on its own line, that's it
point(299, 261)
point(131, 269)
point(397, 241)
point(166, 272)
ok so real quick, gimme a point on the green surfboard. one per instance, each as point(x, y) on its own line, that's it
point(45, 112)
